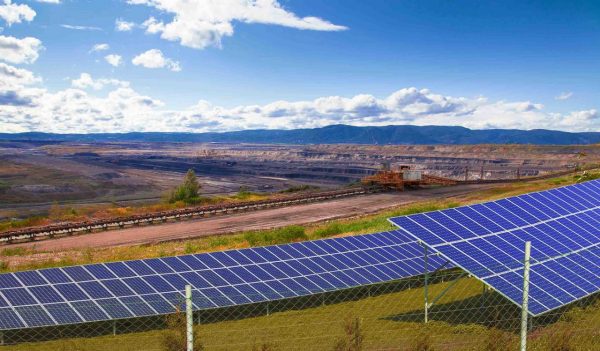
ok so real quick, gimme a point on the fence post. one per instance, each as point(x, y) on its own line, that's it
point(524, 305)
point(426, 288)
point(189, 318)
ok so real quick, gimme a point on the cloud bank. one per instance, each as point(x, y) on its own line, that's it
point(203, 23)
point(26, 107)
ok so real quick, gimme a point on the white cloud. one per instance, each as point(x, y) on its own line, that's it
point(114, 60)
point(123, 26)
point(16, 13)
point(73, 27)
point(100, 47)
point(27, 108)
point(49, 1)
point(85, 81)
point(154, 58)
point(203, 23)
point(564, 96)
point(24, 107)
point(16, 50)
point(14, 77)
point(15, 86)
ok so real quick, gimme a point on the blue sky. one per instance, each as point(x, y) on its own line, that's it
point(290, 63)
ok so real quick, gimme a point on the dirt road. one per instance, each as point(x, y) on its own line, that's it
point(264, 219)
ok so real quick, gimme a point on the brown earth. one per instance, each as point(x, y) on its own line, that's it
point(265, 219)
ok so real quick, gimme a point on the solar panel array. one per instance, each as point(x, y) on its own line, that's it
point(117, 290)
point(488, 240)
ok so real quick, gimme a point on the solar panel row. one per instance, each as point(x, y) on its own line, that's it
point(488, 240)
point(128, 289)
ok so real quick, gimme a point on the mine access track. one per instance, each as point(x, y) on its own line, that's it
point(67, 229)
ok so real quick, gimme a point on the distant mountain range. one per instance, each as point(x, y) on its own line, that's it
point(338, 134)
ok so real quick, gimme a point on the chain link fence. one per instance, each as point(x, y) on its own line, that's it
point(444, 310)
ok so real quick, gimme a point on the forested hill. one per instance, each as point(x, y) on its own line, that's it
point(339, 134)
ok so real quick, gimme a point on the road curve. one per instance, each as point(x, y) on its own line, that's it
point(263, 219)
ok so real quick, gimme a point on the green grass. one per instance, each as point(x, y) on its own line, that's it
point(14, 251)
point(364, 224)
point(299, 188)
point(390, 321)
point(277, 236)
point(21, 223)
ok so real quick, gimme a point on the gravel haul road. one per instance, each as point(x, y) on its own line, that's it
point(263, 219)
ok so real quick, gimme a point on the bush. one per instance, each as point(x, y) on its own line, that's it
point(14, 251)
point(330, 230)
point(244, 193)
point(298, 188)
point(276, 236)
point(498, 340)
point(586, 175)
point(175, 337)
point(422, 342)
point(353, 337)
point(188, 191)
point(560, 338)
point(265, 346)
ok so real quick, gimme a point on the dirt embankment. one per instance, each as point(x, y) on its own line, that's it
point(271, 218)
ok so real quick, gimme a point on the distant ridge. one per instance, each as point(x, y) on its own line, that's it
point(338, 134)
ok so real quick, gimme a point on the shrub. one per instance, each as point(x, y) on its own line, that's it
point(188, 191)
point(174, 338)
point(265, 346)
point(277, 236)
point(498, 340)
point(190, 248)
point(353, 337)
point(13, 251)
point(244, 193)
point(422, 342)
point(586, 175)
point(298, 188)
point(330, 230)
point(560, 338)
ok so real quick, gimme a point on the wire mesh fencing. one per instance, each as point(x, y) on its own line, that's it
point(462, 314)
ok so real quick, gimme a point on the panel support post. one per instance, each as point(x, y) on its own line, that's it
point(189, 318)
point(426, 286)
point(1, 338)
point(483, 292)
point(114, 328)
point(524, 305)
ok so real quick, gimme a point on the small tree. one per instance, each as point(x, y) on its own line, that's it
point(188, 191)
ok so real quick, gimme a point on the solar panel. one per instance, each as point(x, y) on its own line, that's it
point(98, 292)
point(488, 241)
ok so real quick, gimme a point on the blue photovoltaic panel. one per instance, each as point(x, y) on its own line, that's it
point(488, 240)
point(138, 288)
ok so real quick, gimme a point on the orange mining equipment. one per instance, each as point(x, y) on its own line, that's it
point(397, 180)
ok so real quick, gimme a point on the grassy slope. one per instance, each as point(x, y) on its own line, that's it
point(458, 326)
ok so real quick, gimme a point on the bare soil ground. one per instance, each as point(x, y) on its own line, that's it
point(33, 176)
point(265, 219)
